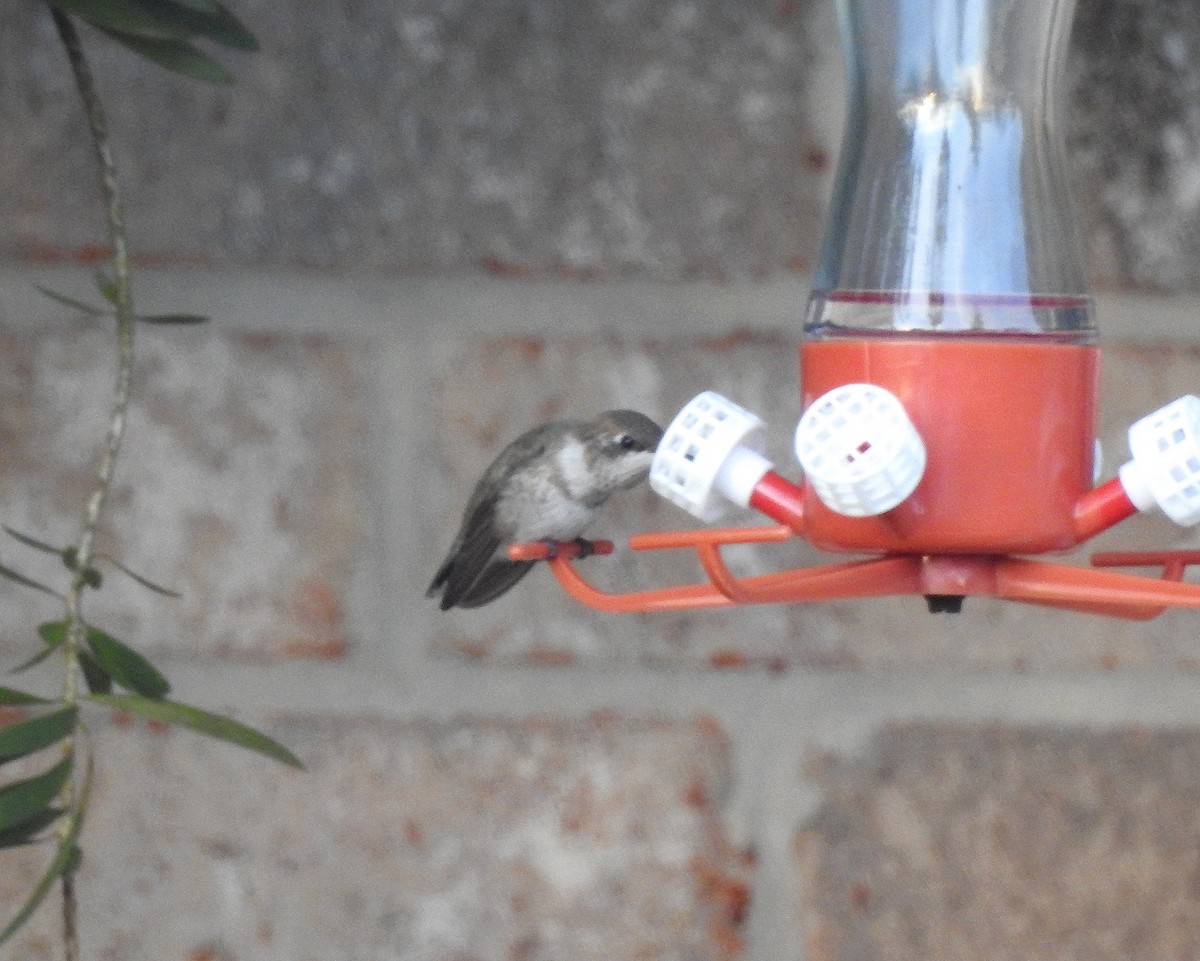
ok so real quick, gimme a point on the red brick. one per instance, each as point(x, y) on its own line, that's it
point(486, 839)
point(989, 842)
point(239, 485)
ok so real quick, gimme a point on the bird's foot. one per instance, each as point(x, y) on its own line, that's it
point(548, 549)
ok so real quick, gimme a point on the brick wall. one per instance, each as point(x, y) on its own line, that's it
point(420, 228)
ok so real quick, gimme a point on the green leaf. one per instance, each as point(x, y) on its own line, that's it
point(53, 633)
point(24, 833)
point(223, 27)
point(106, 285)
point(74, 859)
point(108, 289)
point(127, 16)
point(25, 799)
point(209, 19)
point(91, 577)
point(19, 578)
point(178, 56)
point(10, 697)
point(202, 722)
point(26, 737)
point(32, 541)
point(66, 857)
point(164, 19)
point(144, 581)
point(177, 319)
point(126, 666)
point(96, 677)
point(32, 662)
point(203, 6)
point(72, 303)
point(110, 660)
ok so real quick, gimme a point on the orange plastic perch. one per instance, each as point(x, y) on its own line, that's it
point(547, 550)
point(1009, 578)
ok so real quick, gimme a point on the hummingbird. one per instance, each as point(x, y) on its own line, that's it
point(549, 484)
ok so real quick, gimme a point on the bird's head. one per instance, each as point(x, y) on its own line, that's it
point(620, 445)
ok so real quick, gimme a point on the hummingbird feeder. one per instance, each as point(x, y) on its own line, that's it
point(949, 364)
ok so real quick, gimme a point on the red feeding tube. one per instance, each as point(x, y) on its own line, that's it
point(780, 500)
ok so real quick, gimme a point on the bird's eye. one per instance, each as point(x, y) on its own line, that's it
point(627, 442)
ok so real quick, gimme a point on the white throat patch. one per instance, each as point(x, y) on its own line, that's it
point(574, 469)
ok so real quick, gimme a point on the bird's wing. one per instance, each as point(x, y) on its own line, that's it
point(476, 571)
point(494, 580)
point(528, 447)
point(472, 574)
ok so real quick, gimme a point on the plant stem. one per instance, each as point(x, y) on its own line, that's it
point(70, 932)
point(115, 217)
point(124, 294)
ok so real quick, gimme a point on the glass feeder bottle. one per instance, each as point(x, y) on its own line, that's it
point(952, 275)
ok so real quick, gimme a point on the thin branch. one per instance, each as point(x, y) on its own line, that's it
point(70, 915)
point(123, 304)
point(124, 296)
